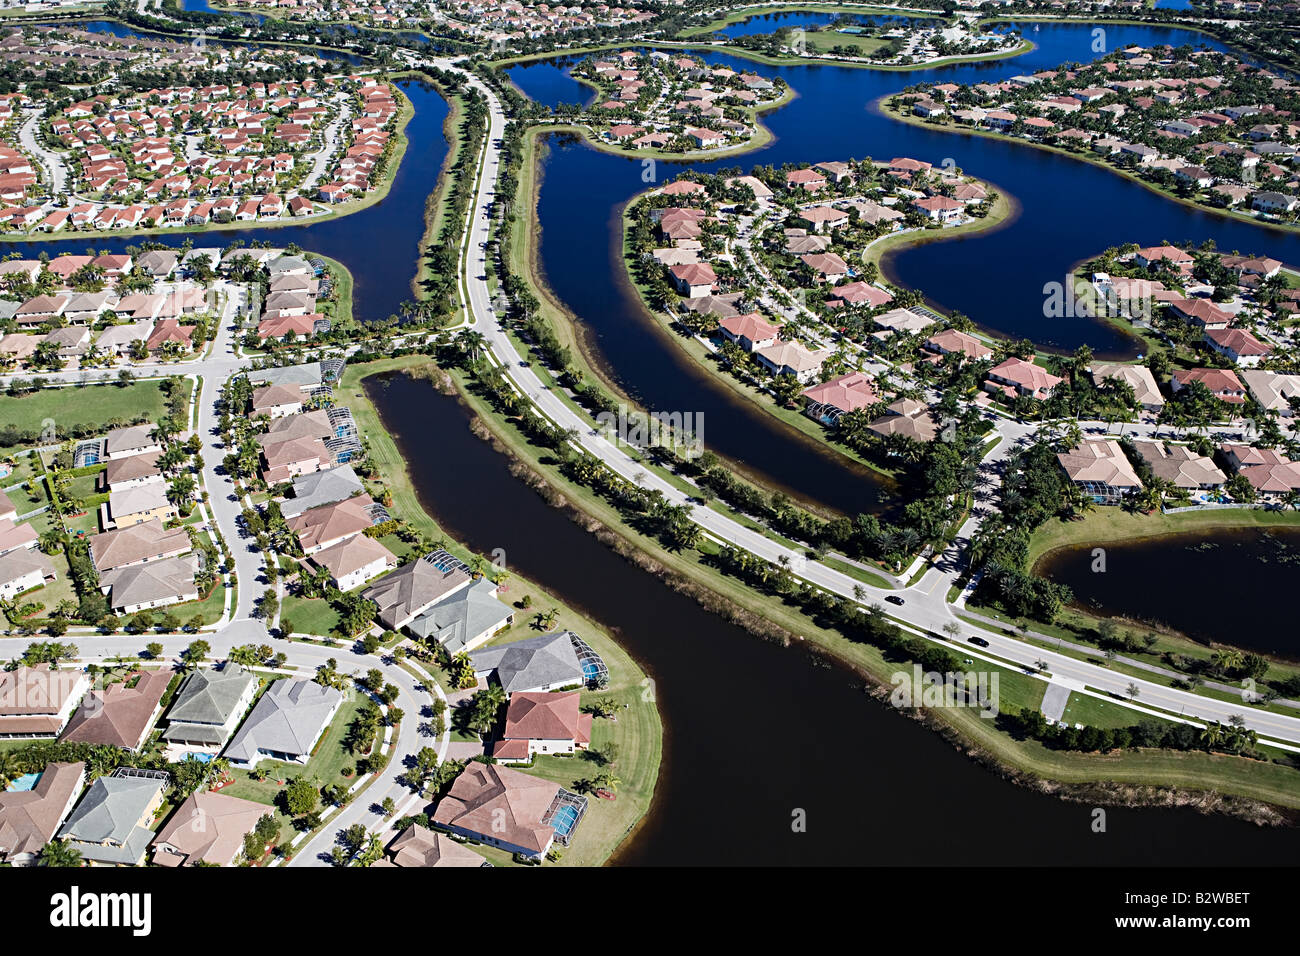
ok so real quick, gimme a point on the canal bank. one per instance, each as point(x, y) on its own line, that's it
point(1138, 568)
point(685, 655)
point(638, 730)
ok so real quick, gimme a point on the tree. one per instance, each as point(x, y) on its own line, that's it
point(196, 653)
point(59, 853)
point(300, 796)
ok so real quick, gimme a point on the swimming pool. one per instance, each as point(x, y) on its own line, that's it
point(564, 820)
point(28, 780)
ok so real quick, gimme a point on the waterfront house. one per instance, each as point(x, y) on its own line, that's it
point(542, 723)
point(500, 807)
point(1102, 470)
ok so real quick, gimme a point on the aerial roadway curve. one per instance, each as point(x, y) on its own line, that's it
point(926, 609)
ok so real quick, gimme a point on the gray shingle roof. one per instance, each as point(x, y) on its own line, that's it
point(287, 719)
point(466, 614)
point(321, 488)
point(210, 696)
point(110, 813)
point(546, 661)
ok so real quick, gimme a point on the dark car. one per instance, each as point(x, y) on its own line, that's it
point(978, 641)
point(894, 599)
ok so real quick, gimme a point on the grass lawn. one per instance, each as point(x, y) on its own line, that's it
point(60, 589)
point(84, 406)
point(1095, 712)
point(639, 733)
point(821, 41)
point(1273, 783)
point(309, 615)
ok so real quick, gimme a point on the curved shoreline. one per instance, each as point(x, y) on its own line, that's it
point(952, 128)
point(1078, 781)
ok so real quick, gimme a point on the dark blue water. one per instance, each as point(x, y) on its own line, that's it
point(771, 22)
point(114, 28)
point(1069, 210)
point(380, 244)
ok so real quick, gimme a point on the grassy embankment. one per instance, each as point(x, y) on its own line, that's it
point(638, 731)
point(1271, 782)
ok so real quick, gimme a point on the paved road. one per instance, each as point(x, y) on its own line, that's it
point(926, 609)
point(56, 174)
point(412, 698)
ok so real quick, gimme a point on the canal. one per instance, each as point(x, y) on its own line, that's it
point(1249, 571)
point(755, 732)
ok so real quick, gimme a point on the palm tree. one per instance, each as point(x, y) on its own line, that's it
point(59, 853)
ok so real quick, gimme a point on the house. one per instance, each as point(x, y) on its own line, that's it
point(694, 279)
point(321, 488)
point(287, 460)
point(906, 418)
point(952, 340)
point(121, 714)
point(1222, 383)
point(207, 828)
point(121, 473)
point(545, 663)
point(285, 723)
point(1273, 202)
point(117, 340)
point(353, 561)
point(127, 442)
point(826, 266)
point(542, 723)
point(415, 587)
point(1180, 466)
point(23, 569)
point(1102, 470)
point(1274, 390)
point(327, 525)
point(209, 706)
point(1016, 376)
point(845, 393)
point(277, 401)
point(466, 619)
point(418, 846)
point(151, 585)
point(809, 180)
point(137, 544)
point(1270, 473)
point(112, 823)
point(940, 208)
point(500, 807)
point(1138, 377)
point(16, 537)
point(750, 331)
point(169, 332)
point(791, 358)
point(29, 819)
point(38, 701)
point(1238, 345)
point(138, 504)
point(859, 293)
point(823, 218)
point(1201, 312)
